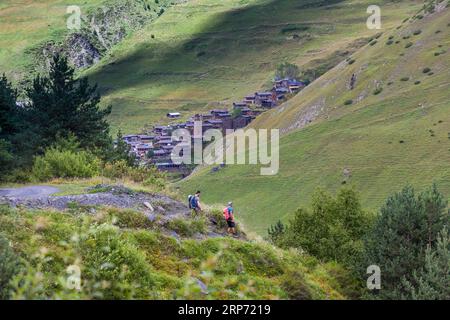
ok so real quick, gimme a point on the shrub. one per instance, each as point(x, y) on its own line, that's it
point(349, 285)
point(110, 258)
point(426, 70)
point(217, 217)
point(333, 230)
point(115, 170)
point(187, 227)
point(377, 91)
point(351, 61)
point(287, 70)
point(389, 42)
point(276, 232)
point(180, 226)
point(9, 267)
point(199, 225)
point(294, 28)
point(348, 102)
point(404, 79)
point(374, 42)
point(417, 82)
point(409, 44)
point(148, 176)
point(57, 163)
point(20, 175)
point(143, 174)
point(294, 283)
point(417, 32)
point(130, 219)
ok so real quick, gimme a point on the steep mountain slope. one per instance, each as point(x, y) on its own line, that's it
point(390, 130)
point(31, 31)
point(137, 254)
point(213, 52)
point(197, 53)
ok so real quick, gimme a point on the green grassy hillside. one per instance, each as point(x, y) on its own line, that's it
point(198, 53)
point(27, 24)
point(394, 131)
point(121, 254)
point(212, 52)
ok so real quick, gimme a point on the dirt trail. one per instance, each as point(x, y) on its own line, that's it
point(28, 192)
point(156, 207)
point(39, 197)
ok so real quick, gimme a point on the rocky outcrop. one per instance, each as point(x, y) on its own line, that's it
point(101, 29)
point(80, 51)
point(109, 196)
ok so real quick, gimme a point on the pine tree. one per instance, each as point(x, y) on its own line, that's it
point(436, 215)
point(61, 104)
point(400, 236)
point(8, 109)
point(121, 151)
point(276, 232)
point(433, 281)
point(9, 266)
point(6, 158)
point(13, 129)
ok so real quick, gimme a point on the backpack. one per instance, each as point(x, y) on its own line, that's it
point(193, 202)
point(189, 200)
point(226, 213)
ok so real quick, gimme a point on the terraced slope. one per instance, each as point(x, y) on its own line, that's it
point(393, 128)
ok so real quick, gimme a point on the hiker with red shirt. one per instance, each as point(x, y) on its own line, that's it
point(228, 214)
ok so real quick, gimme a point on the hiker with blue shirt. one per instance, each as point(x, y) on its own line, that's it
point(194, 203)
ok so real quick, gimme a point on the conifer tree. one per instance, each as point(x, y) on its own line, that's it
point(60, 105)
point(121, 151)
point(398, 241)
point(433, 281)
point(8, 109)
point(276, 232)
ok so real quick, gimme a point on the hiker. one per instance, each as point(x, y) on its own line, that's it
point(194, 203)
point(228, 214)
